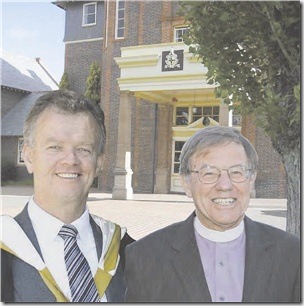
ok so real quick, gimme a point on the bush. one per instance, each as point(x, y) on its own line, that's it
point(8, 171)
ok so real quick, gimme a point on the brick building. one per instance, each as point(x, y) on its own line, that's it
point(154, 94)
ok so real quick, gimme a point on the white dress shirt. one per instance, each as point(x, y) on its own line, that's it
point(47, 228)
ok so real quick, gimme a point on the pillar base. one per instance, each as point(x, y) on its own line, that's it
point(122, 189)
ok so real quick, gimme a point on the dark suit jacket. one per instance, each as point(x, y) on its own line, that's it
point(166, 266)
point(22, 283)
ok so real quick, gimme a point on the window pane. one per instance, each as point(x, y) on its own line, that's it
point(207, 111)
point(181, 110)
point(121, 14)
point(121, 4)
point(176, 157)
point(179, 145)
point(20, 146)
point(216, 110)
point(120, 23)
point(197, 113)
point(176, 168)
point(120, 33)
point(91, 19)
point(90, 9)
point(182, 115)
point(216, 118)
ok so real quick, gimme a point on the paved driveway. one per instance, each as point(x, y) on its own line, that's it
point(146, 213)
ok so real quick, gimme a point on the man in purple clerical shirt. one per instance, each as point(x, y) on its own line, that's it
point(217, 254)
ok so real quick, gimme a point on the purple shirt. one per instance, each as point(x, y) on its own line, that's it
point(224, 267)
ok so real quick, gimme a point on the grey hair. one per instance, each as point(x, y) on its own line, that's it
point(213, 136)
point(69, 102)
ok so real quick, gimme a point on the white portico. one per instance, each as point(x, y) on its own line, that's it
point(166, 74)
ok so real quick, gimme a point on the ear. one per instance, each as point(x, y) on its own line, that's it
point(185, 180)
point(252, 180)
point(100, 161)
point(27, 154)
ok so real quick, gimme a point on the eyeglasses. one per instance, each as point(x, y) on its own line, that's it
point(209, 174)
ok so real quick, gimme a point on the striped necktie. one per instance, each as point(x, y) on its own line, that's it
point(83, 288)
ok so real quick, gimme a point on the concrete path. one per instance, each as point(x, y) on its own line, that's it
point(146, 213)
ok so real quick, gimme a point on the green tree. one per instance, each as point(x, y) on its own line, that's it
point(93, 83)
point(64, 82)
point(252, 52)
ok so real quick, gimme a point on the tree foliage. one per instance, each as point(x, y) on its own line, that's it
point(64, 82)
point(93, 83)
point(252, 52)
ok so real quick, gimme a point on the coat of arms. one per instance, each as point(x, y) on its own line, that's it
point(172, 60)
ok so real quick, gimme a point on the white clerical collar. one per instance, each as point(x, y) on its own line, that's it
point(218, 236)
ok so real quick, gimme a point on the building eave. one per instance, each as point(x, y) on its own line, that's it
point(60, 4)
point(15, 89)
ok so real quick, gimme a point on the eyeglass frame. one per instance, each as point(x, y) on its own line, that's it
point(247, 170)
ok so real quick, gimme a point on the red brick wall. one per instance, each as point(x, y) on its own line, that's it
point(271, 181)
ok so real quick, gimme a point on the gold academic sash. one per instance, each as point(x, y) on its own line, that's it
point(16, 242)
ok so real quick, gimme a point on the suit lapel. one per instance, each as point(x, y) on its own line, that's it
point(258, 264)
point(38, 290)
point(97, 236)
point(187, 263)
point(25, 223)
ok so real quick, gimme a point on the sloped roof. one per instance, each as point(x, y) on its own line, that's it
point(12, 123)
point(26, 74)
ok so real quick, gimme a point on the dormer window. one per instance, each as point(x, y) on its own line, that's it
point(179, 32)
point(89, 14)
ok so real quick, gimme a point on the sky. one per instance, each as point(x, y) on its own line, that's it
point(35, 29)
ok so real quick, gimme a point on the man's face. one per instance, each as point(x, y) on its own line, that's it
point(64, 158)
point(220, 205)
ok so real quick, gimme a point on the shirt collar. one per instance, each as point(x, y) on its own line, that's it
point(49, 226)
point(218, 236)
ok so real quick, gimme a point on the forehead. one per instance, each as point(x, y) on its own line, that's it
point(230, 153)
point(53, 113)
point(53, 119)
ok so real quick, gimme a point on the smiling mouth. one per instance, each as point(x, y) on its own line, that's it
point(224, 202)
point(68, 175)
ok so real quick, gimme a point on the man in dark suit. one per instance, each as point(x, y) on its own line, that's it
point(218, 254)
point(55, 250)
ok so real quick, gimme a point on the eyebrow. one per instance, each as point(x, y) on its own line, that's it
point(56, 140)
point(206, 165)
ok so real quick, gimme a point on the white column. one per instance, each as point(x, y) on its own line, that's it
point(122, 189)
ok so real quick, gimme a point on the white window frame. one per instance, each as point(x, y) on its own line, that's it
point(120, 19)
point(20, 160)
point(84, 15)
point(183, 29)
point(173, 162)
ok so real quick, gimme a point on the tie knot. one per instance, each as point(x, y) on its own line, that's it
point(68, 231)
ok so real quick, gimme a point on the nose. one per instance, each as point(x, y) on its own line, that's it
point(70, 157)
point(224, 182)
